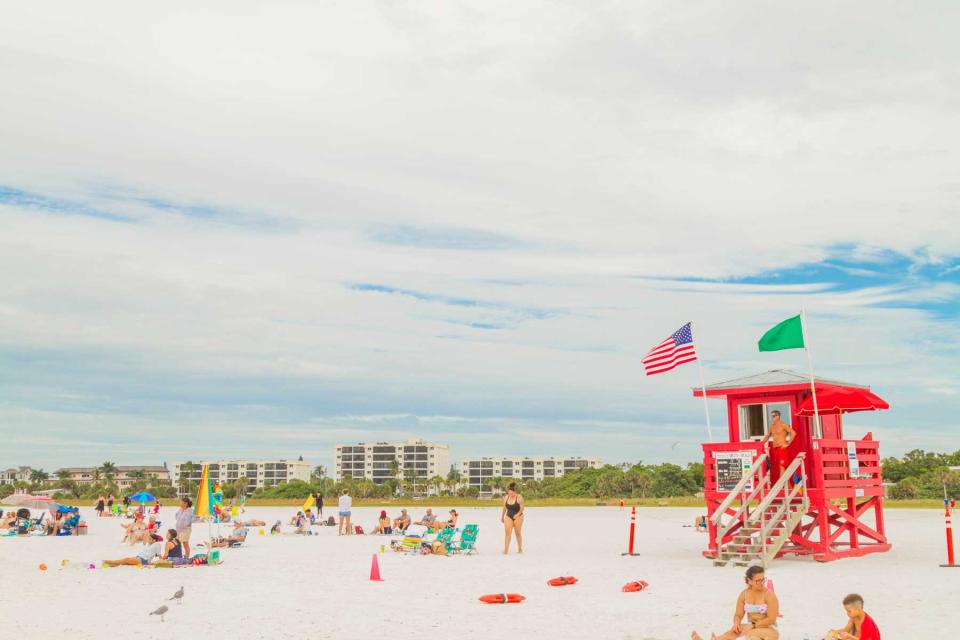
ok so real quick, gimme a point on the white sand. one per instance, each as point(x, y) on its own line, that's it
point(299, 587)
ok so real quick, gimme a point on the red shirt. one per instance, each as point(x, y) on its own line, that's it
point(868, 629)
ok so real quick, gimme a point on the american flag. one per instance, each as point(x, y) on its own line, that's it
point(672, 352)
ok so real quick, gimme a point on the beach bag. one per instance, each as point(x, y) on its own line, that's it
point(331, 522)
point(357, 529)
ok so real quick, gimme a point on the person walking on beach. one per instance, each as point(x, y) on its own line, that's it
point(184, 526)
point(344, 505)
point(759, 605)
point(319, 500)
point(781, 434)
point(860, 626)
point(101, 502)
point(512, 518)
point(110, 500)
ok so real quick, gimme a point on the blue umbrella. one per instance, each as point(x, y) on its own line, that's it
point(143, 496)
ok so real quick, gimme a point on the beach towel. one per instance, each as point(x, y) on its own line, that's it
point(868, 629)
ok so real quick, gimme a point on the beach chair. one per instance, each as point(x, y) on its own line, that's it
point(468, 540)
point(413, 538)
point(446, 536)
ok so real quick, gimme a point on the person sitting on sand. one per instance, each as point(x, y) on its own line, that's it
point(401, 523)
point(860, 626)
point(145, 533)
point(168, 547)
point(700, 524)
point(451, 523)
point(310, 517)
point(275, 529)
point(135, 526)
point(429, 520)
point(383, 525)
point(761, 607)
point(301, 524)
point(295, 520)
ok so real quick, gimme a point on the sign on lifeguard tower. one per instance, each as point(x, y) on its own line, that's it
point(731, 467)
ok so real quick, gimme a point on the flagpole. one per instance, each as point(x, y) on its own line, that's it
point(703, 388)
point(818, 428)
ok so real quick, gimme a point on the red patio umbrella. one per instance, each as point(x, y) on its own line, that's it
point(834, 400)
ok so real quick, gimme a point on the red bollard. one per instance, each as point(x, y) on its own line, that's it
point(633, 528)
point(947, 518)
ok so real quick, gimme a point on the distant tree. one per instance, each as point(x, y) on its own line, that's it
point(39, 476)
point(108, 470)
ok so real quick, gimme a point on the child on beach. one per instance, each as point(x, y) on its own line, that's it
point(860, 626)
point(167, 547)
point(759, 605)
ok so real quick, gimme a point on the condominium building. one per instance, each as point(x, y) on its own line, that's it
point(12, 476)
point(123, 476)
point(383, 461)
point(259, 473)
point(475, 471)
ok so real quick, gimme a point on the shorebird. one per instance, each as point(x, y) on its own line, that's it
point(159, 612)
point(178, 596)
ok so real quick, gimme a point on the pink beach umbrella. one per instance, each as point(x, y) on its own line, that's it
point(28, 501)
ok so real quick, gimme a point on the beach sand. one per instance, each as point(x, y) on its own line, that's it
point(317, 587)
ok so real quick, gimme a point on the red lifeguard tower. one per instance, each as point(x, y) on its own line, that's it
point(821, 504)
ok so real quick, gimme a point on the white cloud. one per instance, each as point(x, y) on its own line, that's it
point(577, 162)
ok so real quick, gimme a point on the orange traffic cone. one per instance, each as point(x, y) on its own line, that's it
point(375, 570)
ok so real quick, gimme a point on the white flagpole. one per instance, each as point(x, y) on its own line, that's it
point(703, 387)
point(818, 429)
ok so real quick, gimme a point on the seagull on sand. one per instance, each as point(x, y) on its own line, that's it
point(178, 596)
point(159, 612)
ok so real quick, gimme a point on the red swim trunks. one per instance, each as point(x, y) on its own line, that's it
point(781, 456)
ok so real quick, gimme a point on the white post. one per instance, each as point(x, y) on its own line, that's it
point(703, 387)
point(818, 428)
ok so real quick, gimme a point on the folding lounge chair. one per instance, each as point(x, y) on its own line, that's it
point(468, 540)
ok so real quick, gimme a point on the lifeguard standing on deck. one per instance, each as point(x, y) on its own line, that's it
point(782, 435)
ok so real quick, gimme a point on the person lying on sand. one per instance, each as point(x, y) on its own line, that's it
point(168, 547)
point(429, 520)
point(253, 522)
point(401, 523)
point(238, 536)
point(761, 607)
point(860, 626)
point(383, 525)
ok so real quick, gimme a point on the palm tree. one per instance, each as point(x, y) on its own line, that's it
point(109, 470)
point(319, 472)
point(186, 474)
point(437, 483)
point(38, 476)
point(453, 479)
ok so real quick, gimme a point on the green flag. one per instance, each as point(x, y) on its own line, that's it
point(786, 335)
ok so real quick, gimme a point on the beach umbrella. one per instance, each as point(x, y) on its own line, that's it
point(143, 496)
point(203, 505)
point(28, 501)
point(836, 400)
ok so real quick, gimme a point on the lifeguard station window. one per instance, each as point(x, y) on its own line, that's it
point(755, 419)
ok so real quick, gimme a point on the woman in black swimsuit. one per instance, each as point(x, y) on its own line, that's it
point(101, 501)
point(512, 518)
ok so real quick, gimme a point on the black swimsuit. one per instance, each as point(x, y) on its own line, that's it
point(512, 509)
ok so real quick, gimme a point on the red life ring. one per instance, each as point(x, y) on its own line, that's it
point(562, 581)
point(638, 585)
point(502, 598)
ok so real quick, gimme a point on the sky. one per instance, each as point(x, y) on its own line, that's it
point(257, 230)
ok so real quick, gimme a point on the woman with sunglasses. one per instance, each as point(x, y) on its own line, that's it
point(759, 605)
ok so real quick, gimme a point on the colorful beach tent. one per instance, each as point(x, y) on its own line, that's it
point(203, 505)
point(835, 400)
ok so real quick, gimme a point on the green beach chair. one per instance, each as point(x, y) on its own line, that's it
point(446, 537)
point(468, 540)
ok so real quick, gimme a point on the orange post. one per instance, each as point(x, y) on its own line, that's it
point(948, 520)
point(633, 528)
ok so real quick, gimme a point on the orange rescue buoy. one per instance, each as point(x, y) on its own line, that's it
point(502, 598)
point(562, 581)
point(638, 585)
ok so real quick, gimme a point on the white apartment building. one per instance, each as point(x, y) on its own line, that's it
point(259, 473)
point(413, 458)
point(474, 471)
